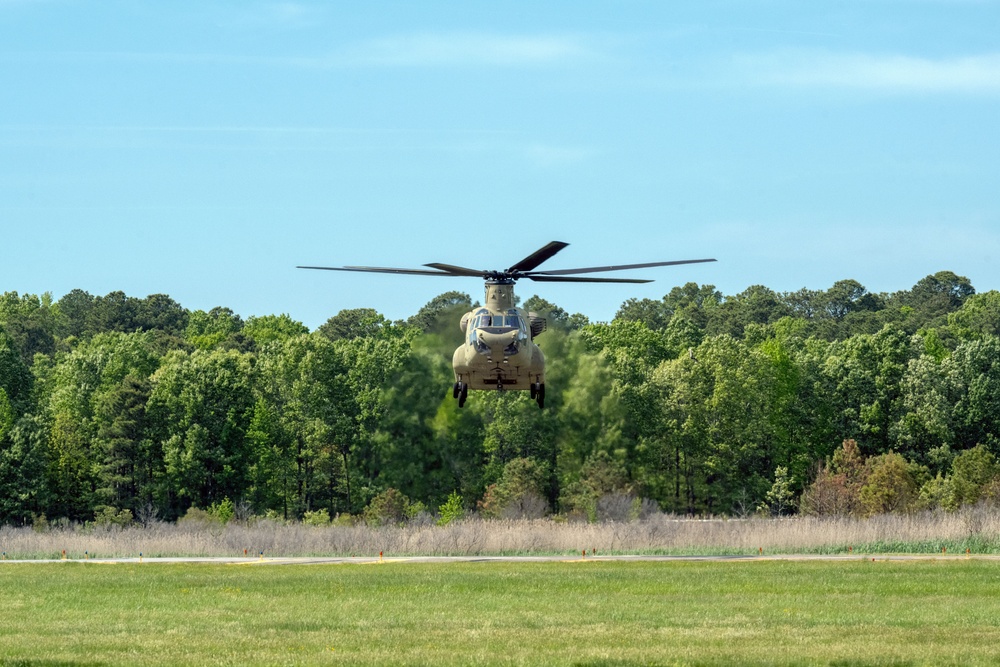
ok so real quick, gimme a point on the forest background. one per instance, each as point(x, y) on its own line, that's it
point(837, 401)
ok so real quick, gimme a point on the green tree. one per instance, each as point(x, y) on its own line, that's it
point(971, 473)
point(519, 493)
point(15, 377)
point(889, 485)
point(128, 464)
point(452, 510)
point(272, 328)
point(865, 374)
point(355, 323)
point(209, 330)
point(780, 497)
point(388, 508)
point(979, 316)
point(441, 314)
point(24, 492)
point(30, 321)
point(600, 476)
point(929, 392)
point(199, 411)
point(977, 411)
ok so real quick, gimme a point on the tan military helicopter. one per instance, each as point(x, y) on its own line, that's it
point(499, 352)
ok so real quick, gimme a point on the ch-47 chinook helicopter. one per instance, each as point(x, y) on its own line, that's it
point(499, 352)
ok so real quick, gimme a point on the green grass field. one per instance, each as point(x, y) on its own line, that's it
point(570, 613)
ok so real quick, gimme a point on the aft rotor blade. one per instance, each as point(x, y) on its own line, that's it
point(539, 256)
point(457, 270)
point(379, 269)
point(572, 279)
point(616, 267)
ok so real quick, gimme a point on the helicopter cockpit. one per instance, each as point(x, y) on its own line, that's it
point(485, 321)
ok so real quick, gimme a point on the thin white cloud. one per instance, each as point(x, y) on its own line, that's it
point(546, 155)
point(427, 50)
point(889, 73)
point(463, 49)
point(270, 14)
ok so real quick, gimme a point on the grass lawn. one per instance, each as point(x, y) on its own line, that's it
point(585, 613)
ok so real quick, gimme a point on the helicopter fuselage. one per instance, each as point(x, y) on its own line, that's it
point(498, 352)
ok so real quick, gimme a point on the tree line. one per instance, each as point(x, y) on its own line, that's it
point(827, 401)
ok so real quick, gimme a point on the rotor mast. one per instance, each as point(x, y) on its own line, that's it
point(500, 294)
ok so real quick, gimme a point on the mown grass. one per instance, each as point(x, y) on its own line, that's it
point(845, 613)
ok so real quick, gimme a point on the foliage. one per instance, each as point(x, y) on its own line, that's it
point(451, 510)
point(388, 508)
point(519, 493)
point(316, 518)
point(780, 497)
point(697, 403)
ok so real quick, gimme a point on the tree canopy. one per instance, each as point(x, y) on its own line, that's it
point(820, 401)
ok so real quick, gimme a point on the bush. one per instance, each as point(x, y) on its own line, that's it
point(389, 508)
point(316, 518)
point(600, 477)
point(889, 486)
point(937, 493)
point(972, 472)
point(451, 510)
point(518, 494)
point(779, 499)
point(223, 510)
point(197, 518)
point(109, 516)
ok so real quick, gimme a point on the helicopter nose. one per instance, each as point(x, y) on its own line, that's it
point(497, 342)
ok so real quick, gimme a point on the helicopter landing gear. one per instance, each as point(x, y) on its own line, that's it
point(456, 389)
point(461, 392)
point(538, 394)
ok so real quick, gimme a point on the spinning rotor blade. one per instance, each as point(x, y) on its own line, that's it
point(451, 269)
point(619, 267)
point(572, 279)
point(537, 257)
point(378, 269)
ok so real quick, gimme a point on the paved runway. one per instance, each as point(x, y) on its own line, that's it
point(331, 560)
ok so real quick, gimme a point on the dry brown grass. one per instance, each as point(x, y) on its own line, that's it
point(977, 528)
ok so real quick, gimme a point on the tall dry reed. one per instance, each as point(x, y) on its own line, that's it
point(660, 533)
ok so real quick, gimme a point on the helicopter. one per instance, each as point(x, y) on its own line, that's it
point(499, 352)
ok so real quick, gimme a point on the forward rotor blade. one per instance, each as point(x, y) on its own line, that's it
point(617, 267)
point(457, 270)
point(539, 256)
point(379, 269)
point(572, 279)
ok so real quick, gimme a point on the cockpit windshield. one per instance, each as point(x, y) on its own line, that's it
point(511, 321)
point(497, 321)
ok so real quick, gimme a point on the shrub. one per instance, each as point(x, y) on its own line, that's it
point(197, 518)
point(109, 516)
point(601, 476)
point(223, 510)
point(889, 486)
point(518, 494)
point(937, 493)
point(451, 510)
point(972, 471)
point(316, 518)
point(780, 499)
point(835, 491)
point(388, 508)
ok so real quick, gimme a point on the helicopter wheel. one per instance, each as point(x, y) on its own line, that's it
point(533, 390)
point(463, 394)
point(540, 395)
point(456, 389)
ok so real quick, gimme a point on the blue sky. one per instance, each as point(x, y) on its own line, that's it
point(204, 149)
